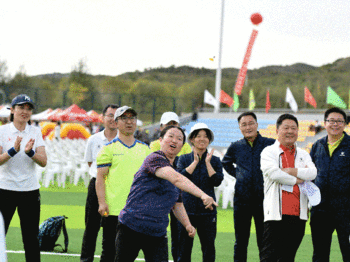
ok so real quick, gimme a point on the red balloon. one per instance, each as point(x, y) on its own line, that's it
point(256, 18)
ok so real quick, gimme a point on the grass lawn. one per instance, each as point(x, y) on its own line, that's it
point(70, 201)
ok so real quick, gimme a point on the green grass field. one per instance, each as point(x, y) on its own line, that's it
point(70, 201)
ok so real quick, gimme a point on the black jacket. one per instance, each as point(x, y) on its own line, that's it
point(200, 177)
point(333, 175)
point(249, 187)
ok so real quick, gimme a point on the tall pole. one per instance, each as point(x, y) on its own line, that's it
point(218, 71)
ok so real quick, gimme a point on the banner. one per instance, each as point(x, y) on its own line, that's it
point(268, 104)
point(243, 71)
point(334, 99)
point(309, 98)
point(209, 98)
point(225, 98)
point(251, 100)
point(236, 102)
point(290, 99)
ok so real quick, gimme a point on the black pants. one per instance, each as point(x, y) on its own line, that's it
point(109, 224)
point(206, 230)
point(92, 224)
point(28, 208)
point(323, 225)
point(281, 239)
point(174, 232)
point(242, 217)
point(129, 243)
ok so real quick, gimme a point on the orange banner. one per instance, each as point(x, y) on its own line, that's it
point(242, 73)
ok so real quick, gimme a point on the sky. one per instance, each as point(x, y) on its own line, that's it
point(117, 36)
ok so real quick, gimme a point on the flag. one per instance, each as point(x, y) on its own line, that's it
point(251, 100)
point(309, 98)
point(225, 98)
point(243, 71)
point(209, 99)
point(268, 104)
point(290, 99)
point(236, 102)
point(334, 99)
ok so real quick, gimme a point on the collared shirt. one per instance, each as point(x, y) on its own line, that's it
point(332, 147)
point(18, 173)
point(93, 146)
point(290, 200)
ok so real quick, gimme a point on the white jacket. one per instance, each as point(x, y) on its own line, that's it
point(274, 178)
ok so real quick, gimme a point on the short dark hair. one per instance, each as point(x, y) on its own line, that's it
point(114, 106)
point(165, 130)
point(284, 117)
point(335, 110)
point(249, 113)
point(195, 133)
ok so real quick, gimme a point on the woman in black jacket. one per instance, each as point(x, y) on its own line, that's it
point(205, 171)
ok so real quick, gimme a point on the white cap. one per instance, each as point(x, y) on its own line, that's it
point(312, 192)
point(200, 126)
point(169, 116)
point(121, 110)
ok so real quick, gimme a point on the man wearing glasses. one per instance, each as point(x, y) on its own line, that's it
point(92, 217)
point(331, 156)
point(249, 189)
point(117, 162)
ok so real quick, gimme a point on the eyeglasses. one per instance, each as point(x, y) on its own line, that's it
point(333, 121)
point(249, 124)
point(125, 118)
point(109, 116)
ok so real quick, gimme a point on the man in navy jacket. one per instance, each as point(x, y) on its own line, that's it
point(331, 156)
point(249, 189)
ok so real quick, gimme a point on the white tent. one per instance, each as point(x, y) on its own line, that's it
point(4, 111)
point(42, 116)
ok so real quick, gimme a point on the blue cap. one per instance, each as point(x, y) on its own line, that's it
point(22, 99)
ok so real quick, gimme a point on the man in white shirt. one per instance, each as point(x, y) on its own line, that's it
point(92, 217)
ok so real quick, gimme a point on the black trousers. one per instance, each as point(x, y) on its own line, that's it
point(129, 243)
point(242, 217)
point(206, 230)
point(281, 239)
point(110, 229)
point(92, 224)
point(174, 232)
point(323, 225)
point(28, 208)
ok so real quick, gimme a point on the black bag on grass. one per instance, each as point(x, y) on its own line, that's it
point(50, 230)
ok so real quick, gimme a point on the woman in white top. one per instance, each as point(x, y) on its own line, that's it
point(21, 147)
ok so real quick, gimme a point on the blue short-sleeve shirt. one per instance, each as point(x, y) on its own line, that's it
point(150, 199)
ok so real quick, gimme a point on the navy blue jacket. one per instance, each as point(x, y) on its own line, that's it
point(333, 175)
point(200, 177)
point(249, 187)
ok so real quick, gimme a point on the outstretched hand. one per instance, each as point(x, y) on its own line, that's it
point(208, 201)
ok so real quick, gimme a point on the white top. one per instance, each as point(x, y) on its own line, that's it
point(94, 145)
point(275, 179)
point(18, 173)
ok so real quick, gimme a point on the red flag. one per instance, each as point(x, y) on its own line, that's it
point(243, 71)
point(225, 98)
point(309, 98)
point(268, 104)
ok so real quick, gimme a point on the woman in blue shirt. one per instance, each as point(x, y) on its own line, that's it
point(205, 171)
point(153, 195)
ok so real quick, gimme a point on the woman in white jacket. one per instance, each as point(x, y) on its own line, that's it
point(284, 168)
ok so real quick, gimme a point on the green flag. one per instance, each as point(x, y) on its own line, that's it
point(236, 102)
point(251, 100)
point(334, 99)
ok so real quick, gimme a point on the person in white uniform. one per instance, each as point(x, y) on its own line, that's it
point(92, 217)
point(21, 147)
